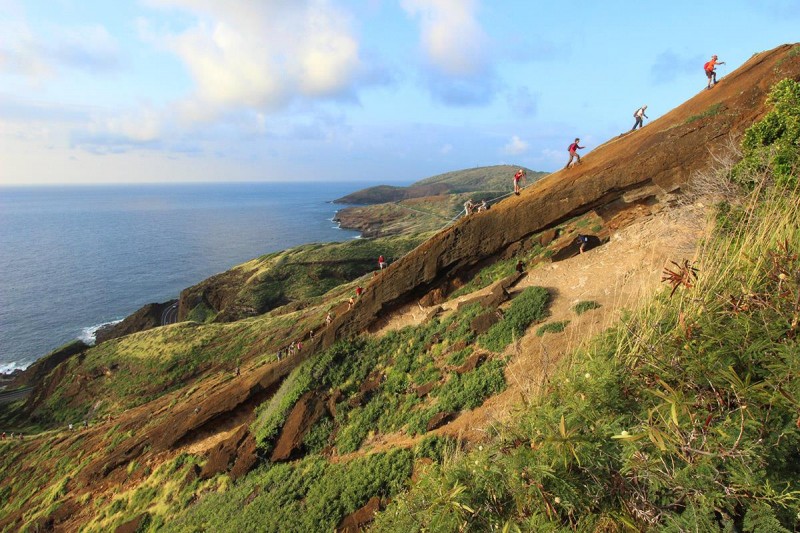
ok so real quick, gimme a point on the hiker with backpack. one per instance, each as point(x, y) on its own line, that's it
point(639, 115)
point(573, 152)
point(711, 73)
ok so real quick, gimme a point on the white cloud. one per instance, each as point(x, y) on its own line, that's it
point(42, 56)
point(452, 38)
point(264, 55)
point(515, 146)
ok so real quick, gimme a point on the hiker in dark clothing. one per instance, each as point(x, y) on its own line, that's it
point(573, 153)
point(583, 240)
point(520, 266)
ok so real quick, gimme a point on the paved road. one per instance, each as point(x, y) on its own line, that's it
point(14, 395)
point(170, 315)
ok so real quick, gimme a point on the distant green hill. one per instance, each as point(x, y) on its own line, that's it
point(494, 178)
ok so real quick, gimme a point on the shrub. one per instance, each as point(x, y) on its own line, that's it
point(773, 143)
point(587, 305)
point(528, 307)
point(552, 327)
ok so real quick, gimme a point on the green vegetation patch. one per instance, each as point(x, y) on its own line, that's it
point(712, 111)
point(552, 327)
point(528, 307)
point(586, 305)
point(308, 495)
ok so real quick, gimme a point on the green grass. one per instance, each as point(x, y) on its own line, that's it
point(552, 327)
point(712, 111)
point(586, 305)
point(528, 307)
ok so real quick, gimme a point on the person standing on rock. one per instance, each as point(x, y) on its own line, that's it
point(573, 152)
point(518, 176)
point(639, 115)
point(382, 263)
point(711, 70)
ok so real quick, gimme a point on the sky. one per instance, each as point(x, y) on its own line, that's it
point(375, 91)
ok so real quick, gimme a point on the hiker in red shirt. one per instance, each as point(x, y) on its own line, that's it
point(518, 176)
point(711, 73)
point(573, 152)
point(382, 263)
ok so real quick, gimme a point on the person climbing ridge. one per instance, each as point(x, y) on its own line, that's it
point(382, 263)
point(483, 206)
point(468, 207)
point(518, 176)
point(711, 72)
point(573, 152)
point(639, 115)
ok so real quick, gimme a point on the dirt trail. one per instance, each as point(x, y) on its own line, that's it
point(618, 275)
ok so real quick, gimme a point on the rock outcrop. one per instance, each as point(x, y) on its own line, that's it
point(148, 317)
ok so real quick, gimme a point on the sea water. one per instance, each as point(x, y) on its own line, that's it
point(73, 258)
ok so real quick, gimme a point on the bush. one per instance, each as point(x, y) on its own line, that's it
point(552, 327)
point(773, 143)
point(529, 307)
point(587, 305)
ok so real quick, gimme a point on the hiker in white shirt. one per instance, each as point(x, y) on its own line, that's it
point(639, 115)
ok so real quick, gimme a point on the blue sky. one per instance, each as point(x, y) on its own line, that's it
point(365, 90)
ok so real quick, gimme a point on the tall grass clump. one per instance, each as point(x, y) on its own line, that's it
point(685, 417)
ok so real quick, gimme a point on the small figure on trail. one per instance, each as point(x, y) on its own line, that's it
point(711, 72)
point(582, 240)
point(468, 207)
point(3, 436)
point(329, 318)
point(350, 303)
point(520, 266)
point(71, 427)
point(359, 291)
point(518, 176)
point(279, 355)
point(639, 115)
point(311, 334)
point(382, 262)
point(238, 371)
point(299, 346)
point(20, 436)
point(483, 207)
point(573, 152)
point(85, 424)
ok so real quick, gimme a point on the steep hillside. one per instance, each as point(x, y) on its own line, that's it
point(178, 413)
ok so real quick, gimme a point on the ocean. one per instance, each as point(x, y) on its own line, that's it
point(74, 258)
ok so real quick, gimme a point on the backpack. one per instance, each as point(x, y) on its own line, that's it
point(636, 113)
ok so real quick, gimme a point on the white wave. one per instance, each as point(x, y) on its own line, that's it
point(89, 334)
point(7, 368)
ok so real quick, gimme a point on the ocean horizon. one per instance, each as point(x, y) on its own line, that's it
point(76, 257)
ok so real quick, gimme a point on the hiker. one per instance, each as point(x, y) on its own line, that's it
point(85, 424)
point(329, 318)
point(382, 262)
point(4, 436)
point(70, 427)
point(573, 152)
point(350, 303)
point(518, 176)
point(359, 291)
point(468, 207)
point(483, 207)
point(711, 72)
point(638, 115)
point(299, 346)
point(583, 240)
point(520, 266)
point(311, 334)
point(279, 354)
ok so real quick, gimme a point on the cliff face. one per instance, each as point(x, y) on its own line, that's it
point(649, 163)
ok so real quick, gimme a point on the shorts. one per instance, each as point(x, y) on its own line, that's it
point(709, 74)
